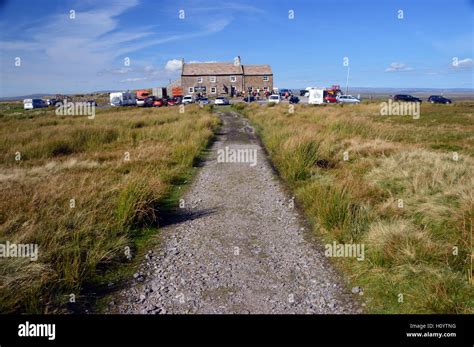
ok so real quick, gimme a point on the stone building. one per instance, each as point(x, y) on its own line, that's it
point(225, 79)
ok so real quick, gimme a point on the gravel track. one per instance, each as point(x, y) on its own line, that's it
point(237, 246)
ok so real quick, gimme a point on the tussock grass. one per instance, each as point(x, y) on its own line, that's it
point(117, 202)
point(421, 250)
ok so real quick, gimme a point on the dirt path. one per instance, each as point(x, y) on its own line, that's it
point(238, 247)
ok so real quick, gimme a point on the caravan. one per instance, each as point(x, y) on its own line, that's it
point(316, 96)
point(122, 99)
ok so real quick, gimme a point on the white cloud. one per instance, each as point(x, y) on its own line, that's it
point(398, 67)
point(173, 65)
point(462, 63)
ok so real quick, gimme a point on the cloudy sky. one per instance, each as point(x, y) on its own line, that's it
point(67, 46)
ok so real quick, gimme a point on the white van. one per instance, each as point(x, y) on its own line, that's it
point(316, 96)
point(29, 104)
point(122, 99)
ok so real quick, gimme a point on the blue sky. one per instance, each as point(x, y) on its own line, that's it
point(88, 53)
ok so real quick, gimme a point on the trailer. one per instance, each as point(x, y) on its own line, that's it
point(316, 96)
point(160, 92)
point(122, 99)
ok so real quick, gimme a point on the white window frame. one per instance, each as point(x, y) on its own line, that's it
point(233, 78)
point(212, 79)
point(199, 80)
point(191, 90)
point(266, 78)
point(213, 90)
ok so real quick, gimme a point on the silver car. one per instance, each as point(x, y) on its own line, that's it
point(221, 101)
point(348, 99)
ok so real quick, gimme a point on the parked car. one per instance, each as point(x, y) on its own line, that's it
point(29, 104)
point(294, 99)
point(188, 99)
point(303, 92)
point(438, 99)
point(159, 102)
point(220, 100)
point(249, 99)
point(404, 97)
point(174, 101)
point(203, 101)
point(330, 99)
point(284, 92)
point(348, 99)
point(275, 98)
point(148, 102)
point(52, 102)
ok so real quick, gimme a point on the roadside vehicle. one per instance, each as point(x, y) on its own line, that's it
point(159, 102)
point(174, 101)
point(284, 92)
point(122, 99)
point(51, 102)
point(347, 99)
point(294, 99)
point(249, 99)
point(438, 99)
point(275, 98)
point(329, 98)
point(148, 102)
point(303, 92)
point(404, 97)
point(29, 104)
point(220, 100)
point(315, 96)
point(203, 101)
point(188, 99)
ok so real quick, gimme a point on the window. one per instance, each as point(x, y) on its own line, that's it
point(213, 90)
point(191, 90)
point(265, 88)
point(265, 78)
point(199, 80)
point(233, 78)
point(212, 79)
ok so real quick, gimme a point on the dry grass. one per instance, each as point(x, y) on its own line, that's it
point(410, 249)
point(117, 201)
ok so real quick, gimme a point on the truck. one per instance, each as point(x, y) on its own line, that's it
point(316, 96)
point(177, 92)
point(160, 92)
point(122, 99)
point(142, 94)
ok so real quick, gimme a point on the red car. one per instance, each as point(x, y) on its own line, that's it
point(160, 103)
point(330, 99)
point(174, 101)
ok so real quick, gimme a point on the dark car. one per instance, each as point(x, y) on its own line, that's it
point(148, 102)
point(303, 92)
point(294, 99)
point(284, 92)
point(404, 97)
point(438, 99)
point(159, 102)
point(249, 99)
point(174, 101)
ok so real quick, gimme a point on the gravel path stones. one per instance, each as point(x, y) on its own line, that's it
point(238, 246)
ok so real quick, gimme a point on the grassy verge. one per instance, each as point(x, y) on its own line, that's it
point(400, 193)
point(87, 191)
